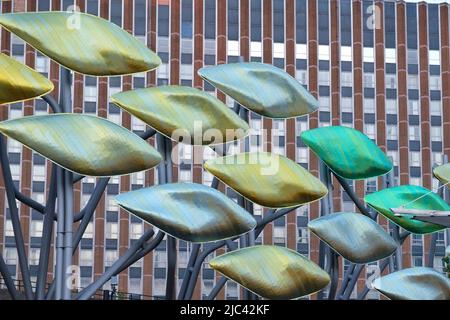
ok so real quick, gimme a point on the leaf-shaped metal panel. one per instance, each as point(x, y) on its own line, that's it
point(442, 173)
point(354, 236)
point(267, 179)
point(18, 82)
point(84, 144)
point(82, 42)
point(183, 112)
point(262, 88)
point(348, 152)
point(272, 272)
point(385, 200)
point(414, 284)
point(188, 211)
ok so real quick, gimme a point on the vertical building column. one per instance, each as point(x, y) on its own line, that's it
point(445, 72)
point(174, 56)
point(335, 87)
point(102, 111)
point(27, 154)
point(425, 123)
point(291, 219)
point(244, 34)
point(147, 271)
point(267, 123)
point(78, 101)
point(197, 151)
point(358, 94)
point(5, 46)
point(125, 181)
point(313, 86)
point(403, 122)
point(380, 90)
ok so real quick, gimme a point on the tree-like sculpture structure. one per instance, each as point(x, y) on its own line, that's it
point(81, 145)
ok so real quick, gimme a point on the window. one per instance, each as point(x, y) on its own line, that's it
point(9, 231)
point(160, 259)
point(86, 257)
point(140, 11)
point(346, 79)
point(34, 256)
point(89, 233)
point(346, 104)
point(210, 19)
point(324, 78)
point(369, 105)
point(135, 285)
point(232, 290)
point(391, 81)
point(85, 281)
point(435, 83)
point(435, 107)
point(279, 234)
point(278, 21)
point(391, 106)
point(413, 81)
point(414, 159)
point(414, 133)
point(233, 19)
point(323, 21)
point(417, 261)
point(186, 19)
point(369, 130)
point(413, 107)
point(368, 55)
point(302, 155)
point(436, 133)
point(394, 156)
point(369, 80)
point(111, 230)
point(159, 287)
point(324, 103)
point(437, 158)
point(10, 255)
point(392, 132)
point(434, 57)
point(136, 230)
point(207, 287)
point(36, 228)
point(303, 235)
point(110, 257)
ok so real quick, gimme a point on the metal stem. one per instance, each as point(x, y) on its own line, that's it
point(187, 274)
point(52, 103)
point(47, 232)
point(59, 235)
point(349, 190)
point(18, 235)
point(90, 290)
point(88, 210)
point(9, 282)
point(346, 279)
point(68, 235)
point(215, 291)
point(354, 278)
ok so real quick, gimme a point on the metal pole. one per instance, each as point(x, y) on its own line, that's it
point(164, 146)
point(9, 282)
point(47, 232)
point(59, 235)
point(68, 235)
point(15, 220)
point(215, 291)
point(357, 271)
point(90, 290)
point(188, 272)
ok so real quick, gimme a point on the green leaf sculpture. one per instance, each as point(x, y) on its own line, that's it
point(84, 144)
point(188, 211)
point(82, 42)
